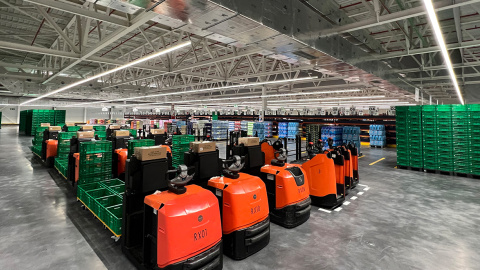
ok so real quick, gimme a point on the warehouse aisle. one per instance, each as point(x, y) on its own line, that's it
point(35, 228)
point(399, 220)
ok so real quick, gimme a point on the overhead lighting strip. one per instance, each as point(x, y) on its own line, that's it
point(443, 47)
point(138, 61)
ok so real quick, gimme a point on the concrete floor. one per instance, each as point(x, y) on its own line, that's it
point(403, 220)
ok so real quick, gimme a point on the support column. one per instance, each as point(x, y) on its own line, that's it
point(18, 114)
point(264, 103)
point(85, 115)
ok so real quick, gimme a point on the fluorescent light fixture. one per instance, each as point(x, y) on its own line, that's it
point(323, 99)
point(313, 93)
point(138, 61)
point(443, 47)
point(205, 90)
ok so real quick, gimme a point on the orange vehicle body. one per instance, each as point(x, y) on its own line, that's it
point(77, 165)
point(52, 146)
point(320, 171)
point(188, 224)
point(122, 160)
point(286, 189)
point(169, 150)
point(245, 201)
point(269, 152)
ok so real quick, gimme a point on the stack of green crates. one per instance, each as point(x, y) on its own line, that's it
point(37, 140)
point(31, 119)
point(138, 143)
point(429, 137)
point(63, 149)
point(105, 200)
point(0, 120)
point(444, 138)
point(474, 110)
point(180, 145)
point(415, 140)
point(23, 121)
point(59, 119)
point(73, 128)
point(133, 132)
point(95, 162)
point(62, 166)
point(403, 157)
point(461, 139)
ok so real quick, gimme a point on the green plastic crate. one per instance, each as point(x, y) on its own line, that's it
point(83, 189)
point(100, 128)
point(94, 194)
point(105, 202)
point(113, 218)
point(95, 147)
point(73, 128)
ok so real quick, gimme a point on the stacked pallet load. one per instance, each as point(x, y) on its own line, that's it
point(352, 135)
point(180, 145)
point(474, 110)
point(259, 130)
point(429, 137)
point(60, 117)
point(314, 130)
point(37, 140)
point(332, 132)
point(63, 149)
point(378, 135)
point(461, 139)
point(293, 130)
point(282, 129)
point(444, 137)
point(238, 126)
point(33, 119)
point(402, 136)
point(132, 144)
point(219, 130)
point(243, 125)
point(231, 126)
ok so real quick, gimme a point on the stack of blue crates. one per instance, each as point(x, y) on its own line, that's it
point(219, 130)
point(259, 130)
point(378, 135)
point(293, 129)
point(351, 134)
point(282, 129)
point(334, 132)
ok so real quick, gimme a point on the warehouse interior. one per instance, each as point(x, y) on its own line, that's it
point(220, 134)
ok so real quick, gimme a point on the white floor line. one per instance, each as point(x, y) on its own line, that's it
point(362, 185)
point(346, 203)
point(360, 193)
point(367, 188)
point(337, 209)
point(353, 198)
point(324, 210)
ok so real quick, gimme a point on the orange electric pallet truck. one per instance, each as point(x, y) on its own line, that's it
point(50, 145)
point(244, 208)
point(320, 171)
point(168, 224)
point(254, 157)
point(288, 191)
point(120, 152)
point(354, 155)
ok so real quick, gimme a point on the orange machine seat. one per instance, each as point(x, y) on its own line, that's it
point(320, 171)
point(122, 160)
point(286, 189)
point(245, 201)
point(269, 152)
point(169, 150)
point(188, 224)
point(52, 146)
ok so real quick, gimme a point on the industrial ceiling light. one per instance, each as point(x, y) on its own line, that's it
point(138, 61)
point(443, 47)
point(205, 90)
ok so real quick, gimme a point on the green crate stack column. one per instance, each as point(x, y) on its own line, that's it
point(445, 138)
point(73, 128)
point(0, 120)
point(61, 161)
point(403, 158)
point(474, 110)
point(138, 143)
point(95, 162)
point(37, 140)
point(429, 137)
point(180, 145)
point(415, 140)
point(461, 139)
point(59, 117)
point(23, 121)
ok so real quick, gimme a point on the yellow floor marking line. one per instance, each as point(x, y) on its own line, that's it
point(377, 161)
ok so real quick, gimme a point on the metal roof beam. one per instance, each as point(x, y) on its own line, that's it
point(454, 46)
point(393, 17)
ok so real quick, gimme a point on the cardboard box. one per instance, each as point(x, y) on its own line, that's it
point(121, 133)
point(157, 131)
point(249, 141)
point(86, 128)
point(203, 147)
point(70, 124)
point(114, 127)
point(54, 128)
point(85, 134)
point(150, 152)
point(45, 124)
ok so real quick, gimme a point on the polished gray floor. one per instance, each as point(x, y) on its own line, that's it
point(402, 220)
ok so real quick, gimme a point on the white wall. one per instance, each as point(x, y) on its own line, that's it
point(74, 115)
